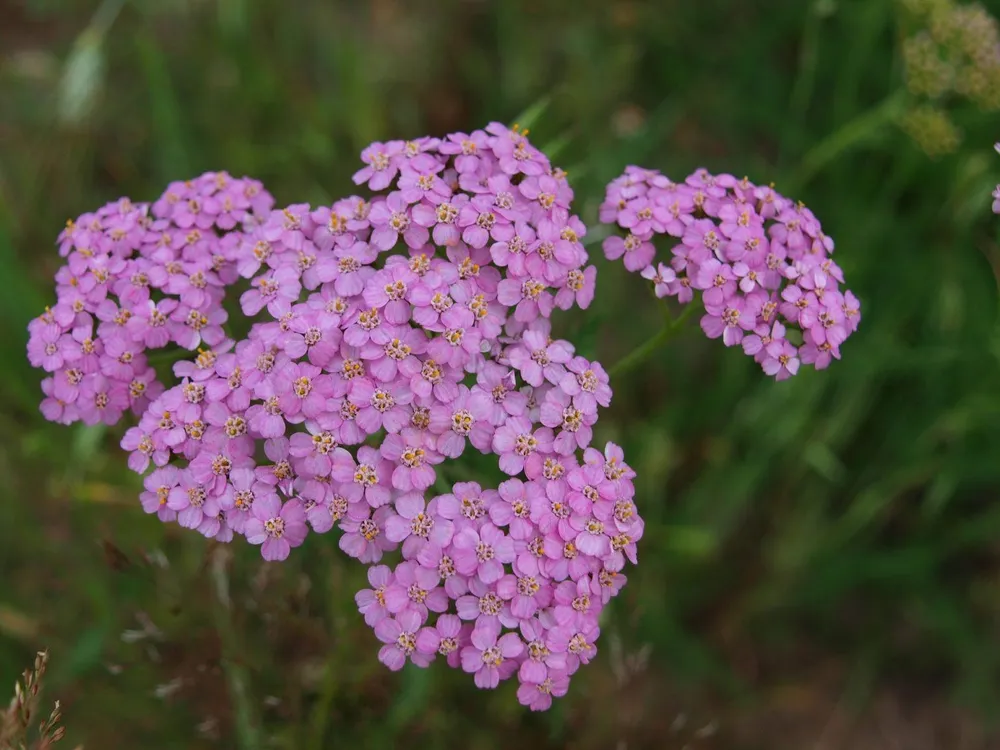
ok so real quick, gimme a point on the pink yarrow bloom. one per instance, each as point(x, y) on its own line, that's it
point(382, 336)
point(756, 257)
point(276, 526)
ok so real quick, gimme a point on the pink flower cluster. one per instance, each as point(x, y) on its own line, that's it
point(138, 277)
point(760, 261)
point(392, 334)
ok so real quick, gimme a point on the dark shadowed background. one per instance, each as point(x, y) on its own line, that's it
point(821, 565)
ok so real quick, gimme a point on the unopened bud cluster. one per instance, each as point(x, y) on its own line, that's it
point(951, 51)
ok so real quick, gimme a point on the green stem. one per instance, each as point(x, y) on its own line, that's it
point(805, 82)
point(161, 356)
point(245, 719)
point(849, 135)
point(641, 353)
point(333, 678)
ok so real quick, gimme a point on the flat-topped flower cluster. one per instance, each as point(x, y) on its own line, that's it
point(139, 278)
point(390, 333)
point(759, 261)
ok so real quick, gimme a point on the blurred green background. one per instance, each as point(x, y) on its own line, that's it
point(821, 567)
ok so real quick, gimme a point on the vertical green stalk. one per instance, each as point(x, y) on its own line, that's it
point(246, 724)
point(805, 81)
point(172, 146)
point(319, 718)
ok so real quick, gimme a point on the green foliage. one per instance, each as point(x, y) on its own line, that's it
point(816, 543)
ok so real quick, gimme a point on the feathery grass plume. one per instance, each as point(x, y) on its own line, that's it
point(17, 721)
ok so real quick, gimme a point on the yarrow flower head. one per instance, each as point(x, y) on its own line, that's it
point(137, 278)
point(390, 333)
point(760, 262)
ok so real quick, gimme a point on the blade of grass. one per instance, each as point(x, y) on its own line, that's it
point(530, 117)
point(245, 719)
point(173, 153)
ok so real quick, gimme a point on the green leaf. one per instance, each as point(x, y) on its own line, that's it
point(530, 117)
